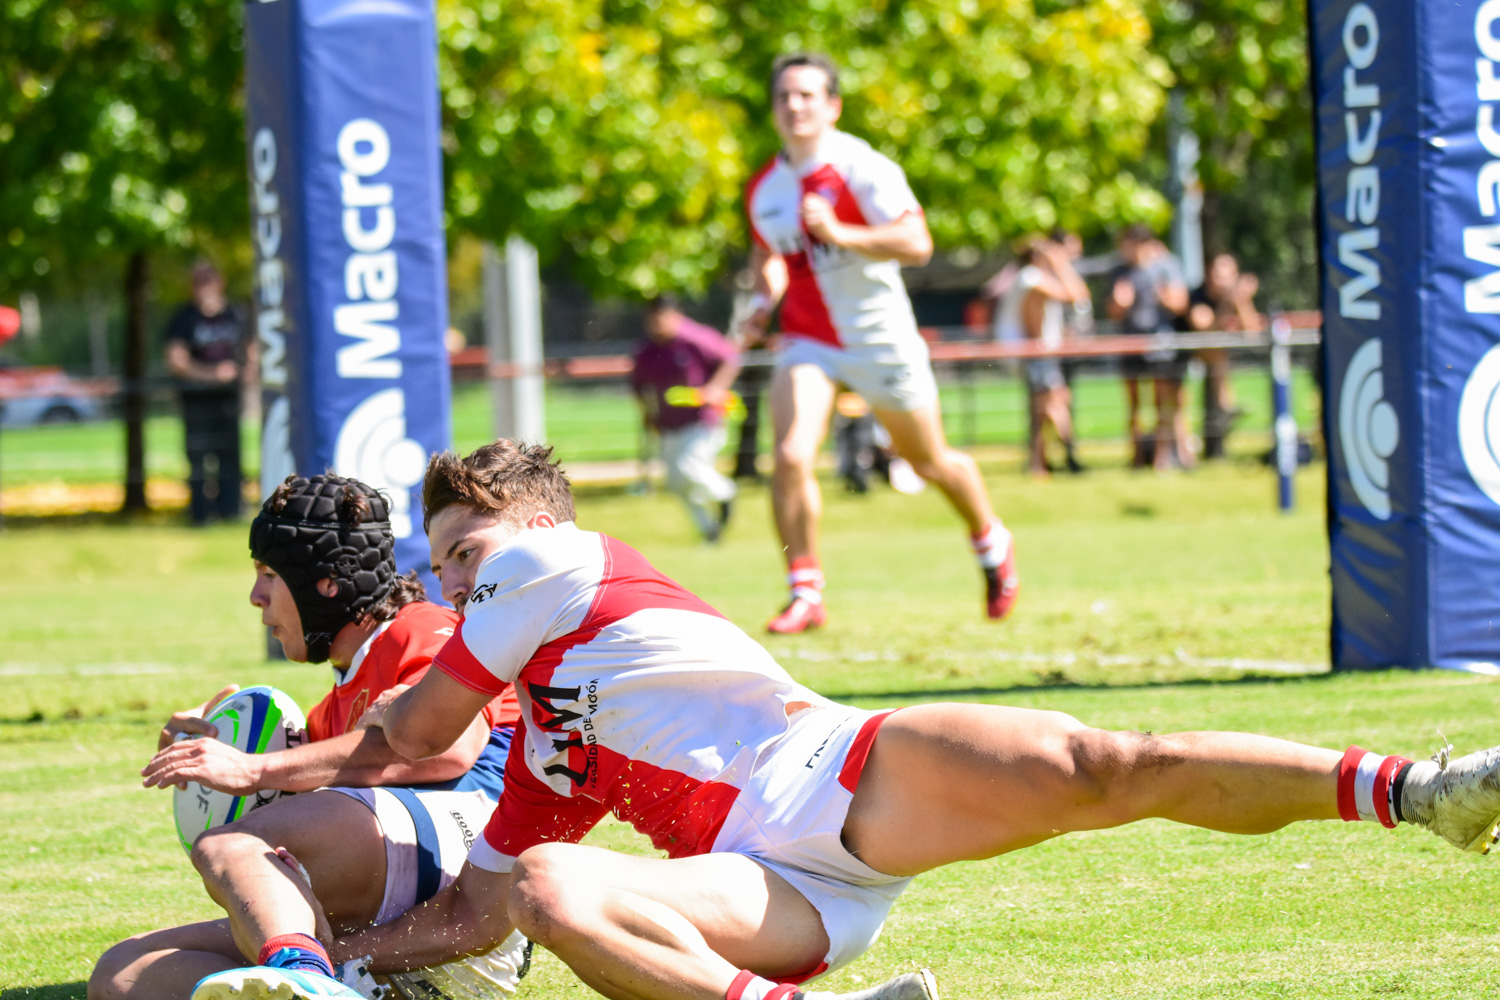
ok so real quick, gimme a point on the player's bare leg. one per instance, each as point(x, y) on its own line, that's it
point(917, 436)
point(164, 964)
point(802, 398)
point(649, 929)
point(337, 840)
point(1133, 422)
point(947, 783)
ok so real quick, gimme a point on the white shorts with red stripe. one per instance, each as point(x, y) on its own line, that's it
point(890, 376)
point(789, 817)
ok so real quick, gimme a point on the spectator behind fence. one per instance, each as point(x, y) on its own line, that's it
point(1147, 292)
point(683, 371)
point(1225, 301)
point(1032, 309)
point(206, 353)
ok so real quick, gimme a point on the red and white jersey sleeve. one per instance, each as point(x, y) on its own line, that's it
point(835, 295)
point(637, 698)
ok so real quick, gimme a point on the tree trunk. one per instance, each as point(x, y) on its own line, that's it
point(135, 383)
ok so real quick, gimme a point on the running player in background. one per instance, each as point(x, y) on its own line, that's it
point(790, 823)
point(326, 585)
point(832, 222)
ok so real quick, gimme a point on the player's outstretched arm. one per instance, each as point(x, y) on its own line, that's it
point(429, 718)
point(469, 917)
point(361, 759)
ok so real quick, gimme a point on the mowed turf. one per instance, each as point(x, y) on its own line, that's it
point(1154, 603)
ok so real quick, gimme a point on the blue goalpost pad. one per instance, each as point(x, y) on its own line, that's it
point(346, 208)
point(1408, 179)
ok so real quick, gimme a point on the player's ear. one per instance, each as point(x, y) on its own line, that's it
point(328, 587)
point(541, 519)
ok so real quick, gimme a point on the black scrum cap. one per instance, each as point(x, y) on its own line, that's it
point(327, 527)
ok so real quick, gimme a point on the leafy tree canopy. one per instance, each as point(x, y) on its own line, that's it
point(617, 134)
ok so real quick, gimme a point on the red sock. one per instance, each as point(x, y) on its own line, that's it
point(309, 955)
point(805, 577)
point(748, 986)
point(1369, 787)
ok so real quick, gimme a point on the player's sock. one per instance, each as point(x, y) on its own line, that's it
point(992, 546)
point(296, 951)
point(748, 986)
point(805, 577)
point(1369, 787)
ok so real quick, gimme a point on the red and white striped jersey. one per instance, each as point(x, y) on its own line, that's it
point(637, 697)
point(835, 295)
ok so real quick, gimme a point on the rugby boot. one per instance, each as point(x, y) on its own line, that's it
point(910, 986)
point(1002, 585)
point(798, 616)
point(266, 982)
point(1459, 800)
point(355, 974)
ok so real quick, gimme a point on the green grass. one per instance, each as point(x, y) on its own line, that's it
point(1160, 603)
point(599, 421)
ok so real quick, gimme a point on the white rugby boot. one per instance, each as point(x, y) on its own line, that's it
point(265, 982)
point(920, 985)
point(1459, 800)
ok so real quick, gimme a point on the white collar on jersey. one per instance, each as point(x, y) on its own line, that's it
point(825, 153)
point(342, 677)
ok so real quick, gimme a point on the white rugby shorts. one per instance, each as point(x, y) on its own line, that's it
point(790, 815)
point(890, 376)
point(428, 833)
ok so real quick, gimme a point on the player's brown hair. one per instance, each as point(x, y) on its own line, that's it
point(405, 590)
point(508, 479)
point(817, 60)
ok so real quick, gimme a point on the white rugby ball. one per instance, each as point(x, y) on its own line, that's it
point(258, 719)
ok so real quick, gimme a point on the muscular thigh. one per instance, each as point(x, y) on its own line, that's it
point(947, 783)
point(801, 404)
point(747, 914)
point(340, 843)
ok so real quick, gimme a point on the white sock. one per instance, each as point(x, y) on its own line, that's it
point(993, 546)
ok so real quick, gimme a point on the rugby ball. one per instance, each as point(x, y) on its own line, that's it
point(257, 719)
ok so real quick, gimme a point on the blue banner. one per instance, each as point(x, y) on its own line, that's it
point(346, 207)
point(1409, 172)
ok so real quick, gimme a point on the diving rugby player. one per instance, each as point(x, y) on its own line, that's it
point(790, 824)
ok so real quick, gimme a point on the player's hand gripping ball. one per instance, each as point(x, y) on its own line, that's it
point(258, 719)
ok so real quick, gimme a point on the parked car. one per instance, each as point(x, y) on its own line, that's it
point(31, 395)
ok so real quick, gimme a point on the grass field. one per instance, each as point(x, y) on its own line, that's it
point(1160, 603)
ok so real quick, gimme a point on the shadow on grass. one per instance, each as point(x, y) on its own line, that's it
point(1056, 680)
point(57, 991)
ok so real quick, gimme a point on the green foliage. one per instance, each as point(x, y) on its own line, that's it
point(120, 129)
point(617, 135)
point(1242, 66)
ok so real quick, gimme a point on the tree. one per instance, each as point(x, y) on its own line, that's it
point(1242, 66)
point(120, 134)
point(617, 134)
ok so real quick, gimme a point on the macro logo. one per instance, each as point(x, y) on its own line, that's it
point(1369, 430)
point(373, 447)
point(1479, 424)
